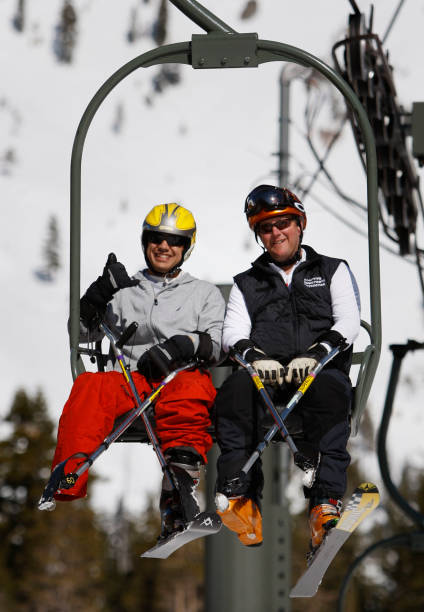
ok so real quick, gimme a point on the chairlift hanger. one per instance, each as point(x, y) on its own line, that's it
point(223, 48)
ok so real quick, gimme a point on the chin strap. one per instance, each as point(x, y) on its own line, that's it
point(292, 260)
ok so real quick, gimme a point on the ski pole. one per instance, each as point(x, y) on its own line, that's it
point(136, 412)
point(266, 399)
point(141, 406)
point(58, 478)
point(61, 480)
point(299, 459)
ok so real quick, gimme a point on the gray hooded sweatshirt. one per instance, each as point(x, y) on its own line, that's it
point(163, 308)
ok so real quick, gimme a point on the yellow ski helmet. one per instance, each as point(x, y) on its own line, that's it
point(170, 219)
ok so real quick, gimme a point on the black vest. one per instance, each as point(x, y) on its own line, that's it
point(285, 322)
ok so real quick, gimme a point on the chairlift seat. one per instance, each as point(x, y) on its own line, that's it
point(137, 433)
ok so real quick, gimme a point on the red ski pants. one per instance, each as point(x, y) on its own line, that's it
point(98, 398)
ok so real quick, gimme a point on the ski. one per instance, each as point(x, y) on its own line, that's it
point(363, 501)
point(204, 524)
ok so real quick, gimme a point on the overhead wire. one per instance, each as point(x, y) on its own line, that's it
point(392, 21)
point(309, 118)
point(296, 183)
point(310, 114)
point(354, 227)
point(354, 7)
point(349, 200)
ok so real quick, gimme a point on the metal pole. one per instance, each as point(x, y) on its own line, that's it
point(399, 352)
point(200, 15)
point(243, 580)
point(283, 154)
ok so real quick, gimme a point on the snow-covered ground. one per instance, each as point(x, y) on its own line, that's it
point(204, 143)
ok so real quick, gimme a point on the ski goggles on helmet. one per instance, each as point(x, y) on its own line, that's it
point(173, 240)
point(267, 201)
point(270, 199)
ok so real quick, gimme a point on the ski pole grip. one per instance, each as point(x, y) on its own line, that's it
point(126, 334)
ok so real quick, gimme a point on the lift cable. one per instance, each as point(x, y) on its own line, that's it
point(392, 21)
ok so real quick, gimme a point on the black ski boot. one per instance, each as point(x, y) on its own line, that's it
point(179, 506)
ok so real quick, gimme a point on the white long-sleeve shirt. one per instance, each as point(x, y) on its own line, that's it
point(345, 304)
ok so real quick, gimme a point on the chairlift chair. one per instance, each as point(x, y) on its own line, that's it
point(223, 48)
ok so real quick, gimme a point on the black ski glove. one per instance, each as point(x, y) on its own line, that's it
point(271, 371)
point(99, 293)
point(205, 349)
point(299, 367)
point(162, 358)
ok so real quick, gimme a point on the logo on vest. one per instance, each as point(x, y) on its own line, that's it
point(315, 281)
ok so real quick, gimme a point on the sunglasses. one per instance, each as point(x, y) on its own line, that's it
point(280, 224)
point(173, 240)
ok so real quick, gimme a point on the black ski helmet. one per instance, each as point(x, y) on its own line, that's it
point(266, 201)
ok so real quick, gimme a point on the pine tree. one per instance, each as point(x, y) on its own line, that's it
point(134, 31)
point(19, 18)
point(49, 562)
point(51, 248)
point(66, 32)
point(160, 25)
point(401, 581)
point(71, 559)
point(151, 585)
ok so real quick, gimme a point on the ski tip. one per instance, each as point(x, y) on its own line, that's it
point(204, 524)
point(300, 593)
point(367, 487)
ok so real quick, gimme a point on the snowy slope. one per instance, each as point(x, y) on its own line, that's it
point(205, 143)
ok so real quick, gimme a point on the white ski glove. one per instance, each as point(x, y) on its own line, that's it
point(270, 371)
point(299, 367)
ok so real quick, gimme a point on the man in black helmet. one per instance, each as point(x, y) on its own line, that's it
point(285, 314)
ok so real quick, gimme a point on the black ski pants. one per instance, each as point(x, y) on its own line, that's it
point(324, 412)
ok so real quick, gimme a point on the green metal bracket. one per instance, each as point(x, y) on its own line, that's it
point(218, 50)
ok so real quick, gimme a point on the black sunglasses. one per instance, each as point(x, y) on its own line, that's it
point(173, 240)
point(280, 224)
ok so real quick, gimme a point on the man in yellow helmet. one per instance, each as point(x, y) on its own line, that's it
point(179, 318)
point(284, 315)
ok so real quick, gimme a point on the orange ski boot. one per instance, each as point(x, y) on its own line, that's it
point(241, 515)
point(323, 516)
